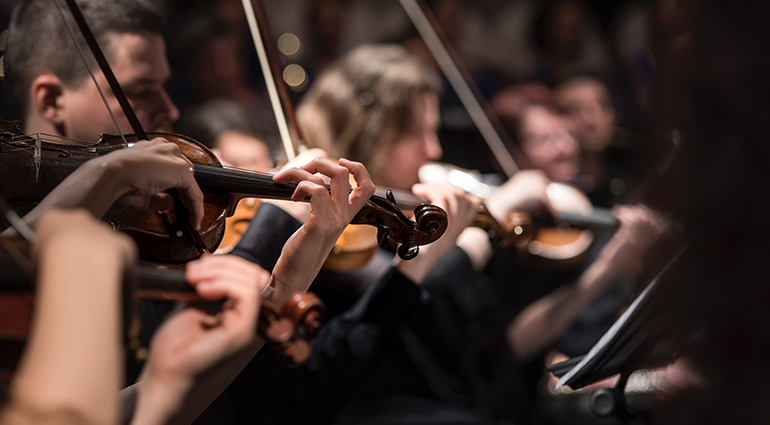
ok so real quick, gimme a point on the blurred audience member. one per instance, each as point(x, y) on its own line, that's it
point(234, 138)
point(567, 40)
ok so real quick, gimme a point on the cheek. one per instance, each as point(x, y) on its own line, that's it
point(92, 119)
point(401, 168)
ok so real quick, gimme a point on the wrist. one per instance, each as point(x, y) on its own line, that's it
point(113, 175)
point(158, 402)
point(477, 246)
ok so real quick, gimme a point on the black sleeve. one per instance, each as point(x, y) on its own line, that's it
point(344, 353)
point(268, 232)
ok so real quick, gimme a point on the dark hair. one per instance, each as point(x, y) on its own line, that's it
point(38, 40)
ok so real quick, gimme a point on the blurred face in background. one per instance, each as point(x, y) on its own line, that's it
point(548, 145)
point(244, 151)
point(588, 105)
point(416, 147)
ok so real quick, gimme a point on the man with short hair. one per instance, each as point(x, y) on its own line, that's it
point(49, 85)
point(50, 89)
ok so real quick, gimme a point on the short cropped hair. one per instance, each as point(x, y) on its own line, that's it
point(363, 103)
point(38, 41)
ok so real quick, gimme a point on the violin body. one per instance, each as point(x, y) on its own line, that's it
point(236, 225)
point(286, 329)
point(30, 176)
point(538, 243)
point(30, 179)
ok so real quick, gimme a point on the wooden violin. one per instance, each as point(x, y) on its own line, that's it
point(287, 330)
point(33, 166)
point(537, 238)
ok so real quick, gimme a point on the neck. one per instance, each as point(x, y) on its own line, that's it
point(34, 123)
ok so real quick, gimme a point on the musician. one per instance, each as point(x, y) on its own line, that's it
point(233, 136)
point(50, 89)
point(379, 105)
point(180, 377)
point(388, 304)
point(71, 369)
point(613, 161)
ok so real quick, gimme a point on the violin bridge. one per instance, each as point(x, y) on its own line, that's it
point(38, 158)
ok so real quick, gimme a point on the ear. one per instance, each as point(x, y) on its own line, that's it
point(46, 94)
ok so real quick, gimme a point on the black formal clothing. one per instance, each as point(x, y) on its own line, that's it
point(347, 348)
point(450, 365)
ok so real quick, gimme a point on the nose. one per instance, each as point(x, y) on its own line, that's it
point(432, 147)
point(566, 144)
point(167, 113)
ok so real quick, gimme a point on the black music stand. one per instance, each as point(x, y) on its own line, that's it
point(645, 336)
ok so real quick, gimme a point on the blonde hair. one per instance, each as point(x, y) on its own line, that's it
point(363, 103)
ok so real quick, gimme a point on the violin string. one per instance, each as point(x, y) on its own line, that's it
point(53, 138)
point(260, 178)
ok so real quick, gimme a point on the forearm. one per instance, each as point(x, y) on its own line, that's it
point(181, 402)
point(94, 186)
point(475, 242)
point(72, 359)
point(301, 260)
point(544, 321)
point(266, 236)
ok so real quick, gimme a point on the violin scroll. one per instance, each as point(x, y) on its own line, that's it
point(288, 330)
point(430, 223)
point(307, 312)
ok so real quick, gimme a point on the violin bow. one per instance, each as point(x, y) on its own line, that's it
point(26, 232)
point(276, 86)
point(181, 233)
point(460, 79)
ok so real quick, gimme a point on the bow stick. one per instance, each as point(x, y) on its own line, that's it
point(462, 83)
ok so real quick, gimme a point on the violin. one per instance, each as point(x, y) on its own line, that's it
point(562, 246)
point(538, 239)
point(34, 166)
point(355, 246)
point(287, 330)
point(222, 188)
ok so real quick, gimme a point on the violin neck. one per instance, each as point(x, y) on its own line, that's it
point(242, 183)
point(404, 200)
point(598, 219)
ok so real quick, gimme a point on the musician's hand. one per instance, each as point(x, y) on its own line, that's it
point(640, 229)
point(461, 210)
point(137, 176)
point(298, 210)
point(331, 211)
point(149, 168)
point(192, 341)
point(525, 190)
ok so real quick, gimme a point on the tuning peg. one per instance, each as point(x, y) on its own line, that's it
point(408, 250)
point(383, 235)
point(279, 331)
point(389, 196)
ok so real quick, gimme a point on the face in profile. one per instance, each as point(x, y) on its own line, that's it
point(588, 106)
point(418, 146)
point(548, 145)
point(140, 65)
